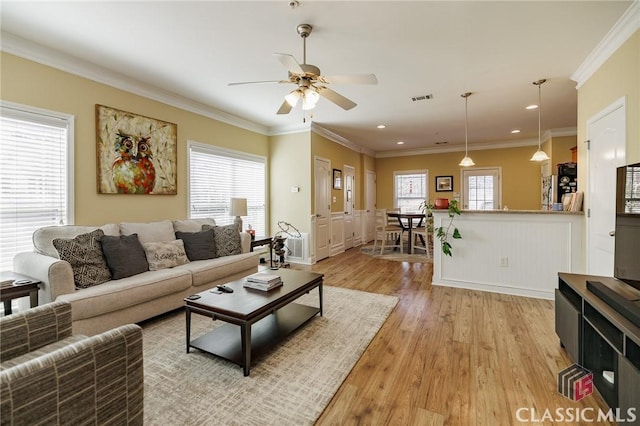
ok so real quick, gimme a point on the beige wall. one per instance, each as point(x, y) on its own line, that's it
point(290, 166)
point(560, 151)
point(618, 77)
point(29, 83)
point(520, 177)
point(339, 155)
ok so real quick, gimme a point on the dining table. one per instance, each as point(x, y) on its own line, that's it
point(407, 224)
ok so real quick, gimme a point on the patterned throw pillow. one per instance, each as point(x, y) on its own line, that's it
point(124, 255)
point(198, 245)
point(226, 238)
point(165, 255)
point(84, 253)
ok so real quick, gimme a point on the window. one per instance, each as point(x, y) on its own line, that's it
point(410, 190)
point(216, 175)
point(481, 189)
point(36, 171)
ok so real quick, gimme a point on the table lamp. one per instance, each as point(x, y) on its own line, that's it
point(238, 208)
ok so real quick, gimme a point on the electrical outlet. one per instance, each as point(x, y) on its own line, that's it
point(504, 262)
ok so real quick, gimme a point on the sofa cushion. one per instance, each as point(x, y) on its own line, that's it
point(124, 255)
point(149, 232)
point(208, 271)
point(227, 239)
point(43, 237)
point(116, 295)
point(198, 245)
point(84, 253)
point(165, 255)
point(192, 225)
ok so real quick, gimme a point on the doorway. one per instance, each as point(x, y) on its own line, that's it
point(606, 151)
point(322, 178)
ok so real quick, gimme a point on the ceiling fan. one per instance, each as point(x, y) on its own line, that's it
point(311, 85)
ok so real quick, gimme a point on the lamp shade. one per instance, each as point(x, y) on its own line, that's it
point(238, 207)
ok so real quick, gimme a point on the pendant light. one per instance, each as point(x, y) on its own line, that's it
point(466, 161)
point(539, 155)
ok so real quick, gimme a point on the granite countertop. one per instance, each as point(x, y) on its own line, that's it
point(523, 212)
point(580, 213)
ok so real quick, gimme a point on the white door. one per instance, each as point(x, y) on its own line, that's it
point(349, 203)
point(370, 205)
point(322, 174)
point(606, 133)
point(481, 188)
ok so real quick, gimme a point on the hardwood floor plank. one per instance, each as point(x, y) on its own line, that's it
point(447, 356)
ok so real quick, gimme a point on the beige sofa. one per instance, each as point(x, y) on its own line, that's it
point(135, 298)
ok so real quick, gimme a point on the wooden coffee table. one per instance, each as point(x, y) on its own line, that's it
point(257, 320)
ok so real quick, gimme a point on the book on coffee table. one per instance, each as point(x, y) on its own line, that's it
point(262, 281)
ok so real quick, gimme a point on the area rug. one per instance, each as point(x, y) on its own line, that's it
point(391, 254)
point(289, 386)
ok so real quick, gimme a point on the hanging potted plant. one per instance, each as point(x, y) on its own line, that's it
point(443, 232)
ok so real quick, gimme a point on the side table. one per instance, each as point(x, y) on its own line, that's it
point(263, 241)
point(25, 286)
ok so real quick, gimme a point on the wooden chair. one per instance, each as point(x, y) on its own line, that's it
point(423, 238)
point(385, 232)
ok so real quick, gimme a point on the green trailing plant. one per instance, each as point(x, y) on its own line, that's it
point(443, 233)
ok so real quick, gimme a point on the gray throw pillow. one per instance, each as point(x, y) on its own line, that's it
point(198, 245)
point(124, 255)
point(84, 253)
point(227, 239)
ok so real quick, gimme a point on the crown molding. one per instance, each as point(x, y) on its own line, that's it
point(626, 26)
point(564, 131)
point(26, 49)
point(316, 128)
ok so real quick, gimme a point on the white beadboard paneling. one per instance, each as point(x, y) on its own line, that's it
point(511, 252)
point(337, 233)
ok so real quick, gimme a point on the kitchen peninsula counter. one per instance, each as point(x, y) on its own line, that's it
point(517, 252)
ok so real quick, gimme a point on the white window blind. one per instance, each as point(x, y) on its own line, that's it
point(217, 175)
point(35, 174)
point(410, 190)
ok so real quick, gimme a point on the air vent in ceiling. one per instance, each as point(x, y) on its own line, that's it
point(422, 97)
point(442, 143)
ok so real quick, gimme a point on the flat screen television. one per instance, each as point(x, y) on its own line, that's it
point(627, 236)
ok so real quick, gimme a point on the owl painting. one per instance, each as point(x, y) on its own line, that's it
point(133, 169)
point(136, 154)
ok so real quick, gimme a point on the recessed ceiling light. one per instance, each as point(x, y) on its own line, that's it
point(515, 131)
point(532, 107)
point(400, 143)
point(381, 126)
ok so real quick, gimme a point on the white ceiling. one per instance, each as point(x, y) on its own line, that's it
point(444, 48)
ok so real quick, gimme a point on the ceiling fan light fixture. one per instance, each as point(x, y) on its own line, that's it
point(539, 155)
point(292, 98)
point(309, 99)
point(466, 161)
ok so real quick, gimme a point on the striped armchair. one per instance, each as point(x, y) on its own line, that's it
point(49, 376)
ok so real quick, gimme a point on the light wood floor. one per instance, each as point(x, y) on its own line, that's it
point(447, 356)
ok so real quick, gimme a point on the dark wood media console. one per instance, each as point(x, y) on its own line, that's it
point(601, 339)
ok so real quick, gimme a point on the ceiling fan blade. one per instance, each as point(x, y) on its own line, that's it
point(289, 62)
point(351, 79)
point(259, 82)
point(336, 98)
point(285, 108)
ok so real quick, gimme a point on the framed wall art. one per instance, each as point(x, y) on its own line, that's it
point(444, 183)
point(136, 154)
point(337, 179)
